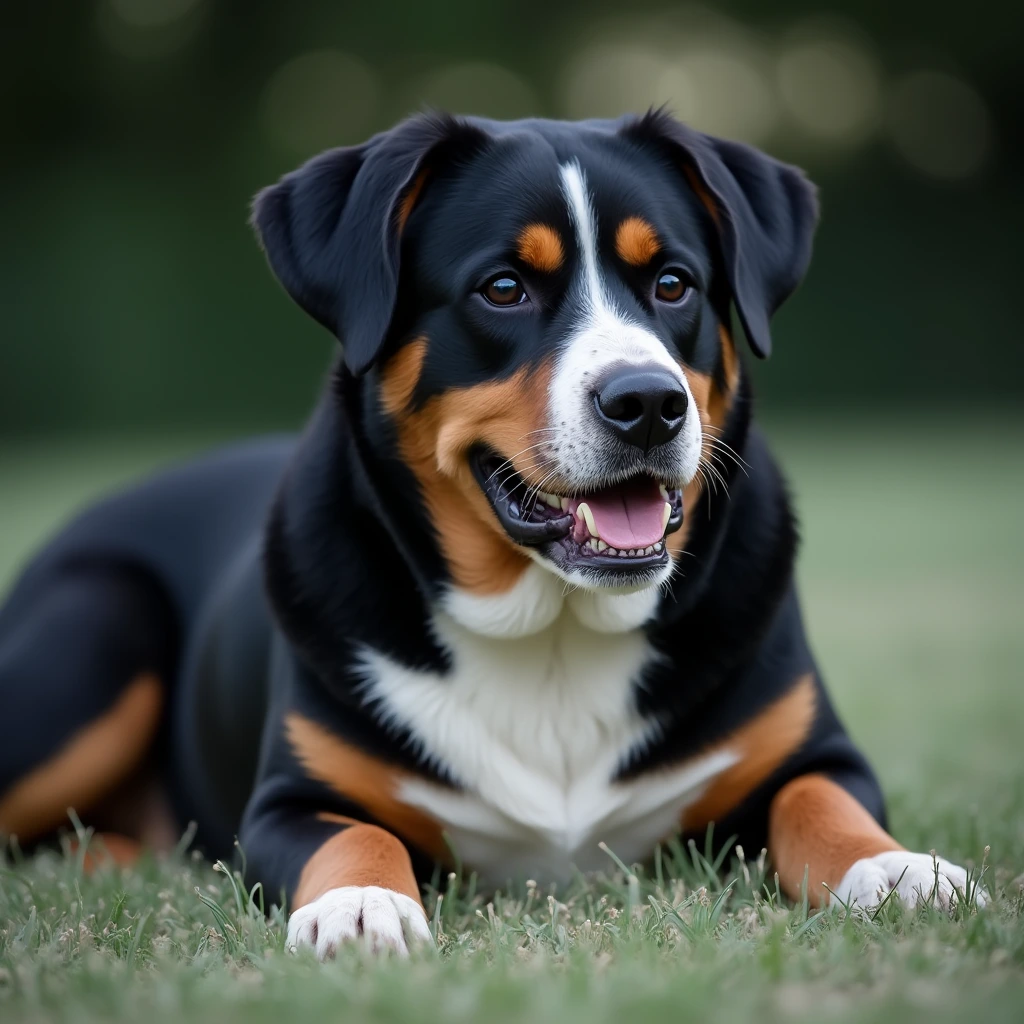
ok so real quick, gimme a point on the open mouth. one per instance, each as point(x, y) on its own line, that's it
point(618, 529)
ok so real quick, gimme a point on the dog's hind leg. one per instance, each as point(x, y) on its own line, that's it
point(85, 659)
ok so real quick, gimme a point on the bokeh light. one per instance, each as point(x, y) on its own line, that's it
point(940, 125)
point(831, 84)
point(319, 99)
point(606, 80)
point(148, 29)
point(487, 90)
point(729, 93)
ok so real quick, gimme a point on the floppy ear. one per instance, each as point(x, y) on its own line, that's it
point(765, 212)
point(332, 229)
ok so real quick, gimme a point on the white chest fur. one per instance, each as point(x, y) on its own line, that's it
point(533, 730)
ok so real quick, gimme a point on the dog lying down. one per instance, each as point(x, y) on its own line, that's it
point(524, 584)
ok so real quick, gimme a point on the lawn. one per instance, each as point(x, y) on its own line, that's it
point(914, 593)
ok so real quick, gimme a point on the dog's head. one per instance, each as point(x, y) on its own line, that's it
point(541, 310)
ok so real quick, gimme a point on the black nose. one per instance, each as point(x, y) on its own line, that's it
point(645, 406)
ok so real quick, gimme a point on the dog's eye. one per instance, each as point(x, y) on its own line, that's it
point(504, 290)
point(671, 287)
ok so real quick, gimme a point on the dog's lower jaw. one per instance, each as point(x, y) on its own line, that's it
point(540, 595)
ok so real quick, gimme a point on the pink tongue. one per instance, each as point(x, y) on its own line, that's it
point(629, 515)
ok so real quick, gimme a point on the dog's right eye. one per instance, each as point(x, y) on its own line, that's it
point(504, 290)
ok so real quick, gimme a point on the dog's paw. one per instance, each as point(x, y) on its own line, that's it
point(383, 919)
point(912, 875)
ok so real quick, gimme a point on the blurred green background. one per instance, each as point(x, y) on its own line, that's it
point(132, 295)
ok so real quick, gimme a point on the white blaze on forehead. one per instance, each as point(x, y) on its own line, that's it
point(610, 334)
point(581, 213)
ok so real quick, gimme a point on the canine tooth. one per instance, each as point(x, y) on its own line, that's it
point(583, 509)
point(664, 491)
point(601, 546)
point(666, 515)
point(658, 546)
point(649, 550)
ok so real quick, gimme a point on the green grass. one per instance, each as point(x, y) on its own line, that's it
point(913, 591)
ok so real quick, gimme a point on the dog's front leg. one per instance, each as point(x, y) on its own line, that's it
point(816, 827)
point(346, 881)
point(360, 882)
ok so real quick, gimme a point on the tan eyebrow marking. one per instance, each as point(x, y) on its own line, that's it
point(636, 241)
point(540, 246)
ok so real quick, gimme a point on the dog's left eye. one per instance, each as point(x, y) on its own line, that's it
point(504, 290)
point(671, 287)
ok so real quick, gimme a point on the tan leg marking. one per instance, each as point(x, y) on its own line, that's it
point(108, 849)
point(358, 855)
point(816, 825)
point(540, 246)
point(763, 743)
point(367, 782)
point(435, 440)
point(94, 760)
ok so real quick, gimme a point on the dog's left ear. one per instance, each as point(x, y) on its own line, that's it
point(332, 229)
point(765, 212)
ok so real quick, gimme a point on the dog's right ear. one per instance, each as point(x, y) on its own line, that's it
point(332, 229)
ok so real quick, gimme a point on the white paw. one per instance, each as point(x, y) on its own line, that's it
point(871, 879)
point(383, 919)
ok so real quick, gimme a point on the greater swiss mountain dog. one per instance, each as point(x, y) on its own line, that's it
point(524, 585)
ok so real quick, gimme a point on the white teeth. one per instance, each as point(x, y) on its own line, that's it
point(562, 503)
point(549, 499)
point(664, 491)
point(601, 546)
point(666, 515)
point(583, 509)
point(658, 546)
point(623, 554)
point(592, 544)
point(613, 551)
point(649, 551)
point(632, 552)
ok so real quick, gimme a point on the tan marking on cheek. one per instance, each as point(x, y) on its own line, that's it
point(540, 246)
point(712, 407)
point(815, 826)
point(636, 242)
point(366, 781)
point(358, 855)
point(720, 400)
point(400, 377)
point(435, 441)
point(763, 744)
point(409, 200)
point(97, 758)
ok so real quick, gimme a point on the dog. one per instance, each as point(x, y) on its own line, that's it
point(523, 586)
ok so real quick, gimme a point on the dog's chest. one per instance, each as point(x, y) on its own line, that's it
point(533, 730)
